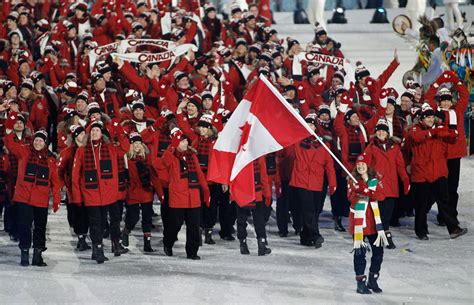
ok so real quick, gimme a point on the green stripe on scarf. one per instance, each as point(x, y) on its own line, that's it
point(360, 212)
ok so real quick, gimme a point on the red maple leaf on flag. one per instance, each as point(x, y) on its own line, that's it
point(244, 138)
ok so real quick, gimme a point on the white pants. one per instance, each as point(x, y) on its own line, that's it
point(452, 9)
point(415, 9)
point(315, 12)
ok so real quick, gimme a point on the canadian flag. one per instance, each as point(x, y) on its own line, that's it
point(263, 123)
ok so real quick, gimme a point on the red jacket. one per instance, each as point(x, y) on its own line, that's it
point(429, 152)
point(39, 113)
point(388, 162)
point(457, 149)
point(180, 195)
point(138, 190)
point(5, 178)
point(312, 161)
point(35, 191)
point(65, 164)
point(106, 191)
point(353, 197)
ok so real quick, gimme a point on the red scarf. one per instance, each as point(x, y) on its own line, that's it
point(187, 168)
point(37, 170)
point(91, 154)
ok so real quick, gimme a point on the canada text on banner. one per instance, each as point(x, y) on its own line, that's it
point(149, 58)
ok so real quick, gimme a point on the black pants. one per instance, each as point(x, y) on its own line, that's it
point(227, 214)
point(209, 214)
point(98, 219)
point(404, 204)
point(133, 214)
point(10, 219)
point(258, 214)
point(339, 202)
point(423, 202)
point(454, 167)
point(164, 209)
point(386, 210)
point(26, 216)
point(310, 202)
point(375, 261)
point(176, 217)
point(80, 220)
point(323, 193)
point(283, 208)
point(295, 209)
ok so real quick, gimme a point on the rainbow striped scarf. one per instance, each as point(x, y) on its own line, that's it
point(360, 222)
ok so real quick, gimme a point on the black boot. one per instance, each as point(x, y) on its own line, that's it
point(390, 245)
point(117, 248)
point(372, 283)
point(338, 224)
point(25, 257)
point(124, 237)
point(168, 250)
point(244, 249)
point(318, 242)
point(98, 254)
point(208, 237)
point(361, 287)
point(147, 243)
point(440, 220)
point(82, 244)
point(38, 258)
point(194, 257)
point(262, 248)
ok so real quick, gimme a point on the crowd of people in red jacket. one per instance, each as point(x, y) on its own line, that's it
point(115, 135)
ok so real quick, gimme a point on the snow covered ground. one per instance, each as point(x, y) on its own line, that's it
point(438, 271)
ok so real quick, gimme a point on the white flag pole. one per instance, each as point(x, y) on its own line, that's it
point(304, 123)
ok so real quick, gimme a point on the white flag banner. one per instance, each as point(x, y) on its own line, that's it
point(149, 58)
point(321, 59)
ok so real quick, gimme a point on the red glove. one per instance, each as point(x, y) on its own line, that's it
point(116, 127)
point(55, 207)
point(445, 77)
point(168, 114)
point(332, 190)
point(392, 92)
point(207, 197)
point(11, 120)
point(268, 200)
point(159, 122)
point(384, 93)
point(439, 131)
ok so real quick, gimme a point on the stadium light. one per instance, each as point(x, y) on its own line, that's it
point(338, 16)
point(380, 16)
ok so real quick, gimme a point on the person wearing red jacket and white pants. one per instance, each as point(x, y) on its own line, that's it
point(37, 177)
point(140, 191)
point(387, 159)
point(95, 182)
point(429, 172)
point(311, 162)
point(453, 117)
point(181, 171)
